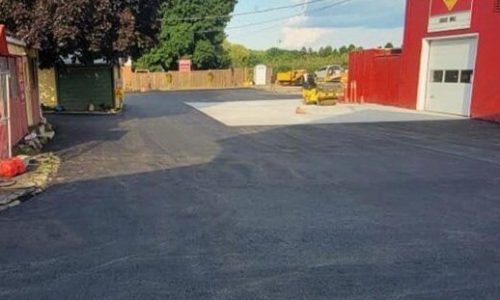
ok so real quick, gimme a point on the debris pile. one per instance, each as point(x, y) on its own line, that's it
point(33, 143)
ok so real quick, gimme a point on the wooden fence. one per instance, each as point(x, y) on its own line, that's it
point(165, 81)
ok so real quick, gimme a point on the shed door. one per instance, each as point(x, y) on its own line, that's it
point(450, 78)
point(80, 86)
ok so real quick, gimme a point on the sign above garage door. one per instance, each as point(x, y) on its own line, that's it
point(450, 15)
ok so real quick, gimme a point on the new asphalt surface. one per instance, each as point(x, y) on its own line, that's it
point(162, 202)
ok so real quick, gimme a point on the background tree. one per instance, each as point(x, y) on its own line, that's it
point(389, 46)
point(285, 60)
point(326, 51)
point(85, 29)
point(303, 51)
point(343, 50)
point(239, 55)
point(351, 48)
point(191, 29)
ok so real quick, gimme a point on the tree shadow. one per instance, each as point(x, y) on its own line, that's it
point(86, 132)
point(327, 211)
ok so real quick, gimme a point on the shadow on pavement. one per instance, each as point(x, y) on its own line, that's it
point(384, 210)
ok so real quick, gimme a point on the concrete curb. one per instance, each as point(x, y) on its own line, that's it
point(288, 90)
point(135, 93)
point(84, 113)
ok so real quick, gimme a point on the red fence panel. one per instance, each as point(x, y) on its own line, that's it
point(374, 77)
point(387, 70)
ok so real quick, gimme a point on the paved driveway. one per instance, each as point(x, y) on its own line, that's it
point(164, 202)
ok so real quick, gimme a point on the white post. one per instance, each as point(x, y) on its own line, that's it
point(9, 127)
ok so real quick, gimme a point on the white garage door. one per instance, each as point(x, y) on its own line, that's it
point(451, 72)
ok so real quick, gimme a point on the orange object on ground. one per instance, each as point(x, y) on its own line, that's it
point(12, 167)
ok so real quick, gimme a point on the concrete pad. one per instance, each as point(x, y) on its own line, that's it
point(285, 112)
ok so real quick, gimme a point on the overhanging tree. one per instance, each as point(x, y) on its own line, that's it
point(84, 29)
point(191, 29)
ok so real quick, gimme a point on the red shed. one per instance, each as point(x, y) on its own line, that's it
point(19, 100)
point(449, 61)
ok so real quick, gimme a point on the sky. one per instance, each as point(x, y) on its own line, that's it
point(317, 23)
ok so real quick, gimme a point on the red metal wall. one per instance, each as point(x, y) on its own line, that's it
point(360, 85)
point(387, 74)
point(439, 7)
point(486, 93)
point(416, 22)
point(374, 77)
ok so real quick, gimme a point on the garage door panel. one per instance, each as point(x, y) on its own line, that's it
point(453, 54)
point(451, 65)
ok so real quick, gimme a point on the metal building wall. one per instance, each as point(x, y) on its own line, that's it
point(374, 77)
point(385, 79)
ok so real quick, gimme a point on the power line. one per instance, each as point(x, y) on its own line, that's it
point(255, 31)
point(288, 17)
point(245, 13)
point(278, 19)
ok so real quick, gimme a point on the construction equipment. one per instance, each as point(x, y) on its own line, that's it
point(294, 77)
point(330, 73)
point(320, 94)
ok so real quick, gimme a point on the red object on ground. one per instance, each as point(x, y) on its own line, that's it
point(12, 167)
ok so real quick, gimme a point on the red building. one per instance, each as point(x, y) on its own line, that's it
point(449, 62)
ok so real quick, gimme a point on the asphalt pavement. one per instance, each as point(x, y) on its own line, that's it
point(163, 202)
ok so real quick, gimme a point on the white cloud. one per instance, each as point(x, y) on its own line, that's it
point(297, 37)
point(300, 31)
point(302, 37)
point(365, 23)
point(361, 36)
point(296, 21)
point(296, 34)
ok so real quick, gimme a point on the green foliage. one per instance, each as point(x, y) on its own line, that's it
point(239, 55)
point(88, 30)
point(190, 30)
point(389, 46)
point(285, 60)
point(204, 55)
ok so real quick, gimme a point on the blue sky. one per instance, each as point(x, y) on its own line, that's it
point(367, 23)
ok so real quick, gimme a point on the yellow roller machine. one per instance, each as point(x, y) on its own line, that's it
point(320, 94)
